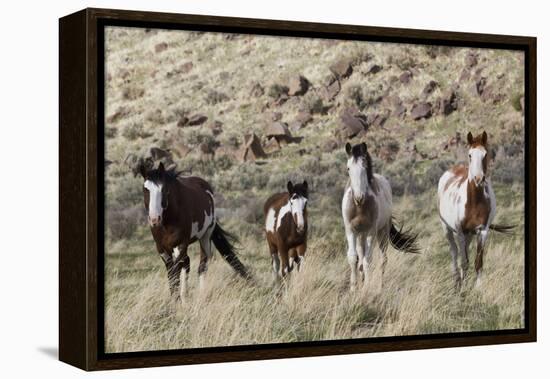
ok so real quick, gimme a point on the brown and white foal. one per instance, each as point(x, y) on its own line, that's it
point(467, 207)
point(286, 228)
point(181, 211)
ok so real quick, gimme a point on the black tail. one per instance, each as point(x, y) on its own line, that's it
point(224, 242)
point(504, 229)
point(403, 240)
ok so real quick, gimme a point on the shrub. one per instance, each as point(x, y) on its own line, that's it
point(110, 132)
point(277, 90)
point(123, 222)
point(133, 131)
point(215, 97)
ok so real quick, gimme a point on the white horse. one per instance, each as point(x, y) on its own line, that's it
point(367, 213)
point(467, 207)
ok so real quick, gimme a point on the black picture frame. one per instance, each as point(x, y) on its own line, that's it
point(81, 78)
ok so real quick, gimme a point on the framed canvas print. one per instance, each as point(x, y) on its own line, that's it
point(238, 189)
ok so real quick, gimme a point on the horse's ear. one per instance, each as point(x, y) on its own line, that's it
point(305, 186)
point(348, 148)
point(364, 148)
point(289, 186)
point(484, 138)
point(470, 138)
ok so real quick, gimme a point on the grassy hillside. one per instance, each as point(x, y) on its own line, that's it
point(190, 99)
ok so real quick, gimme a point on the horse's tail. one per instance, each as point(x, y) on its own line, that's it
point(224, 242)
point(504, 229)
point(403, 240)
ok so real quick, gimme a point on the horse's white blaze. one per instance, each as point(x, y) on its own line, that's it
point(358, 177)
point(270, 221)
point(475, 171)
point(155, 198)
point(195, 232)
point(297, 206)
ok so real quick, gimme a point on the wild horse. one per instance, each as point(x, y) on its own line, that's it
point(367, 213)
point(467, 207)
point(286, 228)
point(181, 211)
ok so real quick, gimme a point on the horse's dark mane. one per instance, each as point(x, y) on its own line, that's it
point(169, 175)
point(359, 151)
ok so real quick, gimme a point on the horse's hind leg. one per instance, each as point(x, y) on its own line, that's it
point(383, 238)
point(205, 255)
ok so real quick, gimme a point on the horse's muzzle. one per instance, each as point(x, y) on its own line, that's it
point(155, 221)
point(359, 200)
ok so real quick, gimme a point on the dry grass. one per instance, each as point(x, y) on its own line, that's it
point(148, 94)
point(417, 297)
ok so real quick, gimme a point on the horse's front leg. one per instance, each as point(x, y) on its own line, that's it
point(180, 270)
point(360, 248)
point(454, 256)
point(481, 240)
point(301, 250)
point(285, 264)
point(169, 264)
point(275, 262)
point(464, 261)
point(367, 243)
point(352, 259)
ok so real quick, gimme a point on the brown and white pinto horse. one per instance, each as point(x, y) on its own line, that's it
point(467, 207)
point(181, 211)
point(286, 228)
point(367, 213)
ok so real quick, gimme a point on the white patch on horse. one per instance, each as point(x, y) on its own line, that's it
point(195, 232)
point(452, 200)
point(270, 221)
point(282, 212)
point(176, 253)
point(155, 198)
